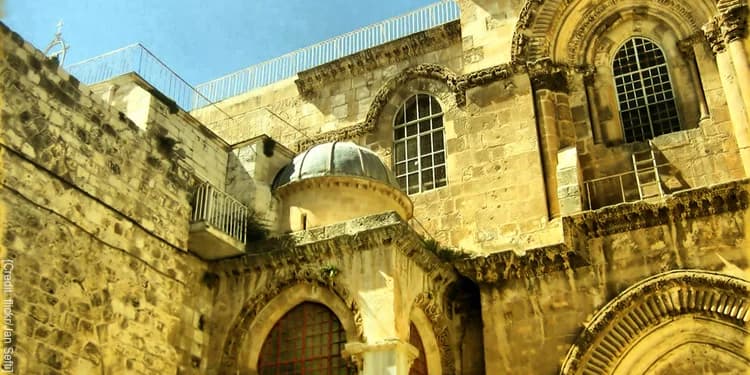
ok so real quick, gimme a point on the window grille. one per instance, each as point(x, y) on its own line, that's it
point(419, 366)
point(644, 91)
point(419, 148)
point(307, 340)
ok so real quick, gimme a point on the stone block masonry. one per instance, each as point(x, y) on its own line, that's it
point(96, 227)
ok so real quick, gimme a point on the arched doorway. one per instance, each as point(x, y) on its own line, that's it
point(691, 320)
point(306, 340)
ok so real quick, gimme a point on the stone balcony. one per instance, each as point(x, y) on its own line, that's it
point(218, 227)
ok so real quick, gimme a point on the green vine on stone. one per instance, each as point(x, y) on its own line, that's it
point(329, 272)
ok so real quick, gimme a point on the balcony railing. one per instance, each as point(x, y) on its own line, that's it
point(288, 65)
point(221, 211)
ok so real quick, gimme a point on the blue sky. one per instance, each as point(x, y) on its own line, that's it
point(199, 39)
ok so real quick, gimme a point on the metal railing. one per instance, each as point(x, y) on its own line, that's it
point(614, 189)
point(288, 65)
point(136, 58)
point(221, 211)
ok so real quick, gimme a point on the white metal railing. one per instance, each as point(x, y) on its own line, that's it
point(615, 189)
point(221, 211)
point(288, 65)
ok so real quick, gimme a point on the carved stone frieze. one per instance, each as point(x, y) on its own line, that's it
point(647, 305)
point(386, 54)
point(428, 303)
point(690, 204)
point(546, 75)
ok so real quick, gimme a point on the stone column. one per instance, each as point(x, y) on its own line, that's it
point(735, 103)
point(733, 23)
point(555, 123)
point(688, 49)
point(389, 356)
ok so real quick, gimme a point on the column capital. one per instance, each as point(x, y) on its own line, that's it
point(687, 45)
point(733, 21)
point(714, 37)
point(547, 75)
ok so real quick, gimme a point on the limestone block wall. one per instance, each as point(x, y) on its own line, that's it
point(197, 147)
point(531, 322)
point(339, 95)
point(487, 28)
point(96, 227)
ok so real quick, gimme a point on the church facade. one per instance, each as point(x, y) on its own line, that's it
point(535, 187)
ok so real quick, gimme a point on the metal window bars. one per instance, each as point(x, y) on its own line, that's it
point(221, 211)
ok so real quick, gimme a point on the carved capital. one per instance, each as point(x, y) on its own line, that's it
point(712, 32)
point(687, 46)
point(546, 75)
point(733, 23)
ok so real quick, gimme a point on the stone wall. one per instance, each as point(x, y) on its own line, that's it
point(530, 321)
point(196, 147)
point(97, 229)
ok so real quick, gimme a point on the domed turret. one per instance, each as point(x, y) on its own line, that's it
point(335, 182)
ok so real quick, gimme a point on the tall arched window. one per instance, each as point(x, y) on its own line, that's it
point(419, 148)
point(644, 91)
point(307, 340)
point(419, 366)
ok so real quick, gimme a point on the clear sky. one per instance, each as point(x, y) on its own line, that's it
point(199, 39)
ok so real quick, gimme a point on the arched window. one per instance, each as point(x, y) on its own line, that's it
point(644, 91)
point(419, 149)
point(307, 340)
point(419, 366)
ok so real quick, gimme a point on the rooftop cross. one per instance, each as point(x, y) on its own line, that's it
point(57, 48)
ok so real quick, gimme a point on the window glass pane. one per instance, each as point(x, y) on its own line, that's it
point(420, 145)
point(645, 98)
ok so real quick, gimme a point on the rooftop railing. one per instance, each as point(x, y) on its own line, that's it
point(137, 58)
point(620, 188)
point(288, 65)
point(221, 211)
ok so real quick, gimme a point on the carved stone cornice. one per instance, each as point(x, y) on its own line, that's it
point(508, 265)
point(647, 305)
point(456, 84)
point(696, 203)
point(387, 54)
point(733, 21)
point(579, 229)
point(714, 37)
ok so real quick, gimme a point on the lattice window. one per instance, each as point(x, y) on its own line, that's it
point(419, 148)
point(644, 91)
point(419, 366)
point(308, 340)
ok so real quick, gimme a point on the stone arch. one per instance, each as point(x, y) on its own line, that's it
point(259, 314)
point(426, 303)
point(561, 29)
point(435, 80)
point(429, 341)
point(690, 307)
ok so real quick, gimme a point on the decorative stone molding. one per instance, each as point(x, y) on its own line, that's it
point(539, 23)
point(507, 265)
point(428, 303)
point(386, 54)
point(282, 279)
point(456, 84)
point(429, 71)
point(687, 45)
point(690, 204)
point(619, 325)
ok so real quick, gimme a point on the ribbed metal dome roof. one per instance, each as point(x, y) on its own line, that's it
point(335, 159)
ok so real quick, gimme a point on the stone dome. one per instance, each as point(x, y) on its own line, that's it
point(335, 159)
